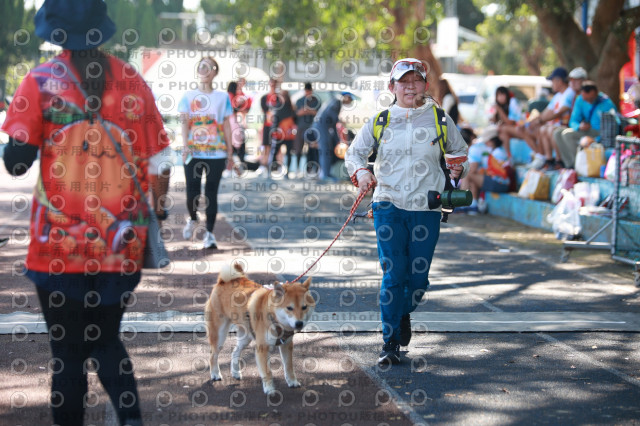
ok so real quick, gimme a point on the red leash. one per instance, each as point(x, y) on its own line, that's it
point(353, 210)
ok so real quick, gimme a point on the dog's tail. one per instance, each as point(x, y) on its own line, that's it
point(230, 272)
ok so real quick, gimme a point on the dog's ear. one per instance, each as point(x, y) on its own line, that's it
point(307, 283)
point(238, 267)
point(230, 272)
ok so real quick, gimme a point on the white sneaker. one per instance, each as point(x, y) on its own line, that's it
point(210, 241)
point(537, 163)
point(187, 231)
point(482, 206)
point(262, 170)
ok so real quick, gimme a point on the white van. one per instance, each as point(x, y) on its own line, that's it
point(524, 88)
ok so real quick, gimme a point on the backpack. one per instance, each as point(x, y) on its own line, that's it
point(87, 208)
point(382, 121)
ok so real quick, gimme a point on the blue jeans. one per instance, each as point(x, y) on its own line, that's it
point(406, 243)
point(325, 151)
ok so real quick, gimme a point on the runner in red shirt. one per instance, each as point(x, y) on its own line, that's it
point(88, 224)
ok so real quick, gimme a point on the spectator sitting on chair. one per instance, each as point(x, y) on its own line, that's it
point(489, 171)
point(576, 77)
point(585, 121)
point(478, 154)
point(553, 115)
point(541, 102)
point(507, 114)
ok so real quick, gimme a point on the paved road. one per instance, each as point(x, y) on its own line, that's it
point(576, 362)
point(478, 378)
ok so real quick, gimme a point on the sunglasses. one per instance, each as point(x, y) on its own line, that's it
point(410, 66)
point(206, 66)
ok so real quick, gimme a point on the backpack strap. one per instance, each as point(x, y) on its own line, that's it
point(441, 128)
point(593, 107)
point(381, 123)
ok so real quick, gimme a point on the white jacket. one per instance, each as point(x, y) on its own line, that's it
point(408, 162)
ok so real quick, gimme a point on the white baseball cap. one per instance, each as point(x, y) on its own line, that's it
point(488, 133)
point(403, 66)
point(578, 73)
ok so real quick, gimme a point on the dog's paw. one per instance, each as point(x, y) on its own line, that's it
point(293, 383)
point(268, 388)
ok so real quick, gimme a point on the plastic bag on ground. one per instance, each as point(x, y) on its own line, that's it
point(566, 180)
point(565, 217)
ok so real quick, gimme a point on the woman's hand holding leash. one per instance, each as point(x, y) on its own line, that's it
point(366, 182)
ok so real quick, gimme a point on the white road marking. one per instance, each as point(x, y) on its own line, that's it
point(20, 323)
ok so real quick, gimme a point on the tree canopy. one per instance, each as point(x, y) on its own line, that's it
point(515, 44)
point(602, 50)
point(137, 23)
point(18, 43)
point(342, 28)
point(523, 37)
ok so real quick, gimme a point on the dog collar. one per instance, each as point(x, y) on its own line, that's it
point(280, 332)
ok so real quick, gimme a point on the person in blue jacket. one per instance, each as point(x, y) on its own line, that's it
point(585, 121)
point(323, 131)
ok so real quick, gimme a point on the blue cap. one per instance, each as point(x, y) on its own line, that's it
point(348, 94)
point(74, 24)
point(559, 72)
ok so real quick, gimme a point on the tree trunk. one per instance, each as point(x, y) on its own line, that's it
point(606, 74)
point(423, 51)
point(603, 52)
point(571, 43)
point(607, 13)
point(402, 15)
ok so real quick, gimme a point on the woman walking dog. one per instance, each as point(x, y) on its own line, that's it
point(407, 167)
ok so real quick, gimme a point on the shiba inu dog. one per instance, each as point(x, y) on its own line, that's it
point(270, 316)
